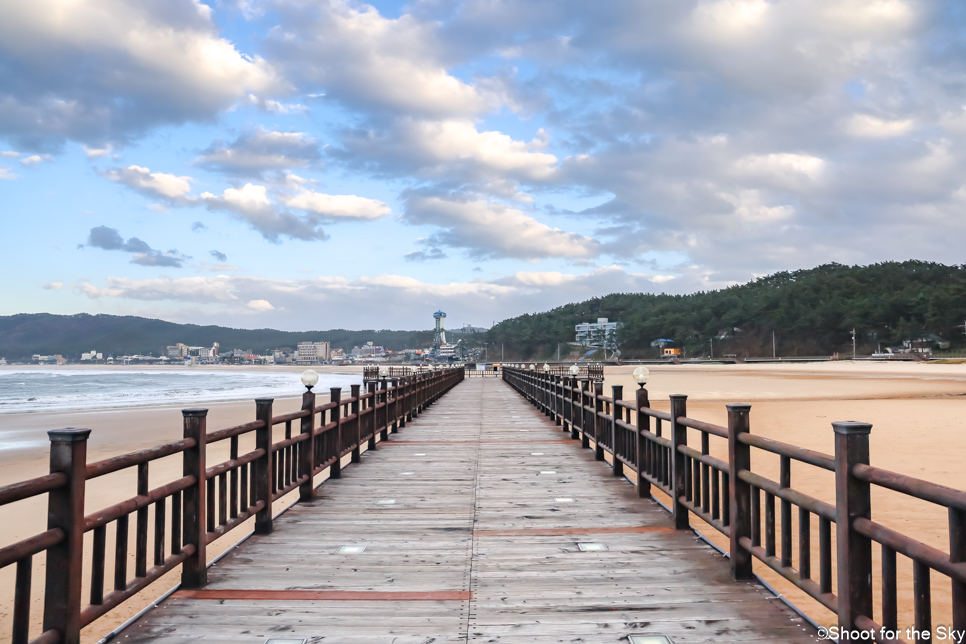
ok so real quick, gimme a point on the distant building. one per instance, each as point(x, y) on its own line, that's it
point(284, 355)
point(312, 352)
point(602, 333)
point(368, 350)
point(91, 356)
point(178, 350)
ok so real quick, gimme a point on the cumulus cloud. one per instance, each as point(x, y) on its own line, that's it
point(251, 204)
point(108, 70)
point(335, 207)
point(367, 61)
point(107, 238)
point(155, 185)
point(452, 149)
point(260, 151)
point(5, 173)
point(493, 229)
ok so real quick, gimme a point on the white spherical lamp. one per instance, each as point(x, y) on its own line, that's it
point(310, 379)
point(641, 374)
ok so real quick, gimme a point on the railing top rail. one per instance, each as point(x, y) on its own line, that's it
point(818, 459)
point(917, 488)
point(108, 465)
point(222, 434)
point(302, 413)
point(32, 487)
point(700, 425)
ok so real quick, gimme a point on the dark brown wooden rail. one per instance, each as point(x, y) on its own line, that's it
point(728, 496)
point(189, 513)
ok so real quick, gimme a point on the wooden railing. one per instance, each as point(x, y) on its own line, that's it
point(727, 495)
point(194, 510)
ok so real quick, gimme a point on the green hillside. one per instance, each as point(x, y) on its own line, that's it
point(70, 335)
point(811, 312)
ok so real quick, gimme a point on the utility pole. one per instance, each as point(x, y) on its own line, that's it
point(853, 343)
point(712, 348)
point(501, 353)
point(774, 347)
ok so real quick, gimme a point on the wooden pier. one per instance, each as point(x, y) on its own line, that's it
point(471, 509)
point(471, 518)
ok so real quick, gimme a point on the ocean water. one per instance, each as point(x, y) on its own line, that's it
point(26, 391)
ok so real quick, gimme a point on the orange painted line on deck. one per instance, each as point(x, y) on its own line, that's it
point(327, 595)
point(553, 532)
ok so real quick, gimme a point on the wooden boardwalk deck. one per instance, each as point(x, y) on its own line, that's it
point(480, 545)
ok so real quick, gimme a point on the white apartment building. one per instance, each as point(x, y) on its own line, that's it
point(311, 352)
point(600, 334)
point(91, 356)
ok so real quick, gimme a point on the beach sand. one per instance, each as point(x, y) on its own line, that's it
point(917, 411)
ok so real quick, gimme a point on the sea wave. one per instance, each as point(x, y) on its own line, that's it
point(23, 391)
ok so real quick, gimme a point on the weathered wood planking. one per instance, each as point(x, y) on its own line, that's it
point(476, 515)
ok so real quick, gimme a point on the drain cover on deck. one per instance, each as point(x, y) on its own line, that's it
point(385, 501)
point(351, 550)
point(591, 547)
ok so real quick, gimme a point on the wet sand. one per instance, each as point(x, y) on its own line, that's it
point(917, 411)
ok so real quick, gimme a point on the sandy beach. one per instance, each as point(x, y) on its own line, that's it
point(916, 409)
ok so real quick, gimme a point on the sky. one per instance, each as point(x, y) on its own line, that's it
point(320, 164)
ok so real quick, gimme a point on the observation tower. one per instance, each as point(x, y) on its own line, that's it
point(440, 338)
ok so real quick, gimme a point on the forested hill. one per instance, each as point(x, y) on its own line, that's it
point(811, 312)
point(70, 335)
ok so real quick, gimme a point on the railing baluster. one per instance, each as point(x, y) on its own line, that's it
point(769, 524)
point(715, 491)
point(233, 478)
point(21, 601)
point(120, 552)
point(223, 498)
point(176, 523)
point(705, 474)
point(98, 556)
point(824, 555)
point(890, 606)
point(921, 600)
point(755, 516)
point(141, 535)
point(210, 505)
point(785, 480)
point(159, 524)
point(804, 543)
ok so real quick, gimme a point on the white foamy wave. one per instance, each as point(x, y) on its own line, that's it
point(24, 391)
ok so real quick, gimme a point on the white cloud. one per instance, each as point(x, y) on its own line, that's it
point(97, 153)
point(251, 204)
point(260, 151)
point(864, 125)
point(9, 154)
point(53, 286)
point(368, 61)
point(338, 206)
point(169, 187)
point(260, 305)
point(337, 301)
point(492, 229)
point(34, 159)
point(106, 70)
point(5, 174)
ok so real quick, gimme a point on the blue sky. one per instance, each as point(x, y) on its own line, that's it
point(323, 164)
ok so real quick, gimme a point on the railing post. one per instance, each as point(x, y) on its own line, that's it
point(574, 396)
point(739, 459)
point(394, 383)
point(306, 449)
point(584, 438)
point(263, 466)
point(372, 414)
point(335, 395)
point(957, 554)
point(65, 510)
point(356, 453)
point(598, 421)
point(617, 413)
point(384, 394)
point(410, 386)
point(401, 403)
point(679, 436)
point(643, 425)
point(194, 571)
point(852, 501)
